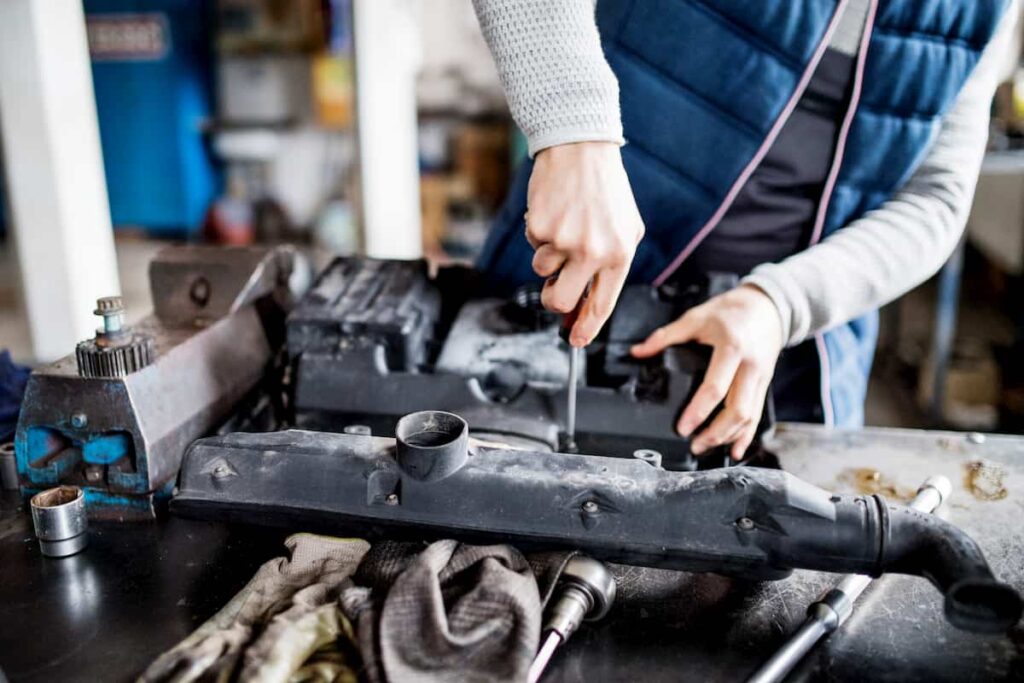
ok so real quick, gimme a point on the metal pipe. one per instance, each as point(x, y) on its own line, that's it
point(829, 613)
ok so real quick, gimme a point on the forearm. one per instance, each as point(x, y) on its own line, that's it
point(882, 255)
point(559, 87)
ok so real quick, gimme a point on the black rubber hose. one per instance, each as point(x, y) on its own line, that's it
point(923, 544)
point(866, 535)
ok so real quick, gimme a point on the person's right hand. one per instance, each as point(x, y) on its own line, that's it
point(584, 226)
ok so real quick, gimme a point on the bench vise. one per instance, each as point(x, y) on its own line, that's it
point(116, 416)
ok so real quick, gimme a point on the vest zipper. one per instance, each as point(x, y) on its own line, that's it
point(826, 196)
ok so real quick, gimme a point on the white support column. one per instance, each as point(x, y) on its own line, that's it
point(387, 53)
point(54, 169)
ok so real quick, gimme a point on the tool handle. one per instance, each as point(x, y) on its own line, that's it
point(570, 318)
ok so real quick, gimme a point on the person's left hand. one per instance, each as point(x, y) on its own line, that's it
point(743, 328)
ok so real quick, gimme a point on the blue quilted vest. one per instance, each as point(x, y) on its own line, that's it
point(705, 86)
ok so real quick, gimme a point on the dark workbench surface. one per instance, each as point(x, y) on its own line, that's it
point(139, 588)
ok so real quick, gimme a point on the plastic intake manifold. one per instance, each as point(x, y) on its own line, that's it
point(740, 521)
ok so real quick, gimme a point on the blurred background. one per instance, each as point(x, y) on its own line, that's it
point(376, 127)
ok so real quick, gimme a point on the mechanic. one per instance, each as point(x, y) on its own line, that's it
point(825, 151)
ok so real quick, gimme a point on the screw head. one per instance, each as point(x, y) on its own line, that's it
point(391, 499)
point(590, 507)
point(976, 438)
point(745, 523)
point(79, 420)
point(93, 473)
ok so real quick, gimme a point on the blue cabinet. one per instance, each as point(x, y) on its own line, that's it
point(152, 66)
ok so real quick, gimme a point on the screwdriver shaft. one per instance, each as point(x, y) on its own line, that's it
point(570, 427)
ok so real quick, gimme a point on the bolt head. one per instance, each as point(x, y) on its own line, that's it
point(221, 471)
point(357, 430)
point(199, 292)
point(391, 499)
point(590, 507)
point(976, 438)
point(109, 305)
point(79, 420)
point(650, 456)
point(745, 523)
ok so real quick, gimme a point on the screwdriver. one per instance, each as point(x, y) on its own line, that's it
point(574, 374)
point(568, 320)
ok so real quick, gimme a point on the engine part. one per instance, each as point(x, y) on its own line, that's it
point(431, 444)
point(58, 516)
point(116, 417)
point(744, 521)
point(375, 340)
point(116, 351)
point(832, 611)
point(587, 591)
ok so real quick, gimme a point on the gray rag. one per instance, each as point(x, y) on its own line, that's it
point(450, 612)
point(284, 615)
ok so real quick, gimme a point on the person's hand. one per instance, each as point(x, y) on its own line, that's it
point(742, 326)
point(584, 226)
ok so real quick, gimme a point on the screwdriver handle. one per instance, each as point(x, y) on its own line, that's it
point(569, 320)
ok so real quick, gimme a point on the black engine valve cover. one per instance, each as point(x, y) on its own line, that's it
point(374, 340)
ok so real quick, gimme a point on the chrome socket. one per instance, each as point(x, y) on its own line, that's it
point(58, 515)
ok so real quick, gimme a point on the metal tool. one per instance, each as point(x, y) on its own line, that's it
point(570, 421)
point(832, 611)
point(587, 593)
point(58, 515)
point(574, 376)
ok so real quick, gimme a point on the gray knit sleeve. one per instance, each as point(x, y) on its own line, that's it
point(886, 252)
point(559, 87)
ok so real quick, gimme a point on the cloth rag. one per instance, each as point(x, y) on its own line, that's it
point(447, 612)
point(284, 625)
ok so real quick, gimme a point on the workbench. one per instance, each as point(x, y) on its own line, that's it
point(141, 587)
